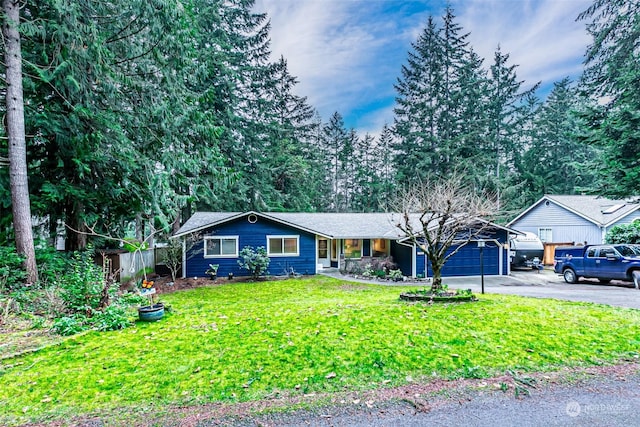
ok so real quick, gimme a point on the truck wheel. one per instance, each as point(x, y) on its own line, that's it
point(570, 276)
point(636, 278)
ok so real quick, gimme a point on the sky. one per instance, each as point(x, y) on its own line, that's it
point(348, 54)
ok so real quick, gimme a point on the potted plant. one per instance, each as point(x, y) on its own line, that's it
point(155, 310)
point(212, 271)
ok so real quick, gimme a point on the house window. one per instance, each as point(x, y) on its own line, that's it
point(380, 248)
point(545, 234)
point(353, 248)
point(283, 245)
point(221, 246)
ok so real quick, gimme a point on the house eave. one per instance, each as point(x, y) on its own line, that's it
point(236, 216)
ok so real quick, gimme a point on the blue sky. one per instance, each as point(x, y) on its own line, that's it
point(347, 54)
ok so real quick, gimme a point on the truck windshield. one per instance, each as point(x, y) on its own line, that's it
point(628, 251)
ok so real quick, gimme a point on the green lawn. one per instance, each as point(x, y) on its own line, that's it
point(245, 341)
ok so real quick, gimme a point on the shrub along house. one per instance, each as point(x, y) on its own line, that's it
point(308, 243)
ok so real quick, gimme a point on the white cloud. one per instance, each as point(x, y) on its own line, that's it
point(324, 49)
point(542, 37)
point(348, 54)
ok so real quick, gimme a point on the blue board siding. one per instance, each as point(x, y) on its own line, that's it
point(467, 261)
point(254, 235)
point(402, 256)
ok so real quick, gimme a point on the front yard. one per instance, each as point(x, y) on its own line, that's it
point(246, 341)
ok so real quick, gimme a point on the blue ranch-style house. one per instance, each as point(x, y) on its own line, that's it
point(308, 243)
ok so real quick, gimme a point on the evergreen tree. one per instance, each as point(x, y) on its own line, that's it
point(439, 118)
point(613, 74)
point(386, 173)
point(334, 139)
point(505, 119)
point(556, 162)
point(418, 107)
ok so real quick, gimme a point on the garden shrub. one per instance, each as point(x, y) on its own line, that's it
point(378, 267)
point(82, 286)
point(52, 264)
point(70, 325)
point(112, 318)
point(624, 233)
point(12, 273)
point(255, 261)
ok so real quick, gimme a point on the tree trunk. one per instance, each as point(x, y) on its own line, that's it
point(75, 241)
point(436, 282)
point(18, 177)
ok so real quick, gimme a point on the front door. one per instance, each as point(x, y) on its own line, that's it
point(324, 252)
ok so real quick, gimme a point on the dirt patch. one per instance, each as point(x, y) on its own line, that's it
point(164, 284)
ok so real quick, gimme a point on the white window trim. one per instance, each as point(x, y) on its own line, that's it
point(235, 255)
point(282, 237)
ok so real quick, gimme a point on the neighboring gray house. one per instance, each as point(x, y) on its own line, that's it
point(574, 219)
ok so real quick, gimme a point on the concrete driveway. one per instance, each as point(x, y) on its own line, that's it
point(547, 284)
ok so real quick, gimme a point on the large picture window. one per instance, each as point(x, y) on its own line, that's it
point(353, 248)
point(283, 245)
point(221, 246)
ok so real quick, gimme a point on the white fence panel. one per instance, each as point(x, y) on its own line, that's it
point(132, 263)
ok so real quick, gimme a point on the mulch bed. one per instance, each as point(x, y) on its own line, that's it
point(164, 284)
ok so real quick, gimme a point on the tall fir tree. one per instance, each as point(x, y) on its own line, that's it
point(556, 162)
point(506, 116)
point(612, 75)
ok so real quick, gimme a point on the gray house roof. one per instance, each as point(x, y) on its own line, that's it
point(331, 225)
point(596, 209)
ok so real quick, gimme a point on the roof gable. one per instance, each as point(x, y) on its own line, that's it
point(595, 209)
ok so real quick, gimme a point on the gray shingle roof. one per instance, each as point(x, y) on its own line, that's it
point(345, 225)
point(332, 225)
point(335, 225)
point(598, 209)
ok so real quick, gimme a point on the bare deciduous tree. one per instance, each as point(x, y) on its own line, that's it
point(441, 217)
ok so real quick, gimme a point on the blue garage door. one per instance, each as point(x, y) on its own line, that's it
point(467, 261)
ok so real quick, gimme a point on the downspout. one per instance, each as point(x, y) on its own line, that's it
point(318, 259)
point(414, 261)
point(184, 257)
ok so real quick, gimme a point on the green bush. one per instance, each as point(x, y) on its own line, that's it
point(111, 318)
point(82, 285)
point(70, 325)
point(255, 261)
point(624, 233)
point(52, 264)
point(12, 273)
